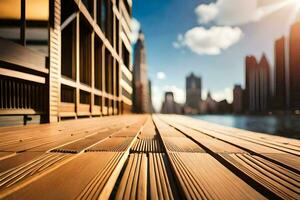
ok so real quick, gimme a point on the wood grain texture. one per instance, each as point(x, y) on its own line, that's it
point(145, 157)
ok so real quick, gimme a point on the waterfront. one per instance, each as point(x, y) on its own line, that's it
point(287, 126)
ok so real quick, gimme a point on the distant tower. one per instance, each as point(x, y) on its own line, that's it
point(294, 68)
point(237, 99)
point(141, 98)
point(250, 100)
point(169, 106)
point(193, 91)
point(264, 84)
point(280, 80)
point(257, 84)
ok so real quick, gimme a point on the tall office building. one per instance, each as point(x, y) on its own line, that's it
point(294, 67)
point(250, 100)
point(65, 58)
point(257, 84)
point(193, 91)
point(237, 99)
point(280, 75)
point(141, 98)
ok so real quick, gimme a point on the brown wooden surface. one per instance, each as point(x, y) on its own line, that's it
point(146, 157)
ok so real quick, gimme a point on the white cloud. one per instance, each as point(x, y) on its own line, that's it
point(235, 12)
point(161, 75)
point(206, 13)
point(179, 94)
point(135, 28)
point(177, 44)
point(209, 41)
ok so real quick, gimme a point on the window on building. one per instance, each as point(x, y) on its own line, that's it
point(89, 4)
point(102, 14)
point(68, 51)
point(67, 94)
point(117, 36)
point(107, 71)
point(98, 63)
point(68, 7)
point(110, 24)
point(85, 53)
point(112, 80)
point(125, 56)
point(85, 97)
point(97, 100)
point(117, 79)
point(106, 102)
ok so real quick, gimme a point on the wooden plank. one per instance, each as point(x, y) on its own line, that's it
point(5, 155)
point(162, 183)
point(147, 144)
point(15, 176)
point(278, 180)
point(193, 162)
point(117, 144)
point(22, 75)
point(133, 184)
point(202, 182)
point(181, 144)
point(79, 145)
point(17, 159)
point(289, 160)
point(62, 181)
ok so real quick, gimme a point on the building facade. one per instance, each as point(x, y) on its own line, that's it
point(209, 105)
point(280, 75)
point(237, 103)
point(250, 99)
point(193, 92)
point(257, 84)
point(169, 105)
point(65, 58)
point(141, 96)
point(294, 67)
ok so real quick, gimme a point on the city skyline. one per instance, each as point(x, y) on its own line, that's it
point(258, 97)
point(169, 38)
point(77, 117)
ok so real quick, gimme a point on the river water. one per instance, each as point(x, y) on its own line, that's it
point(287, 126)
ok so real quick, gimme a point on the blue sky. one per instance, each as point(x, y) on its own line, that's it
point(171, 57)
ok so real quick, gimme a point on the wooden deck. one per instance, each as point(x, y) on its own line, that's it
point(146, 157)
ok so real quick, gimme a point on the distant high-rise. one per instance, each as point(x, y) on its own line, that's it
point(280, 80)
point(294, 68)
point(237, 99)
point(257, 84)
point(251, 65)
point(209, 105)
point(141, 98)
point(193, 91)
point(169, 106)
